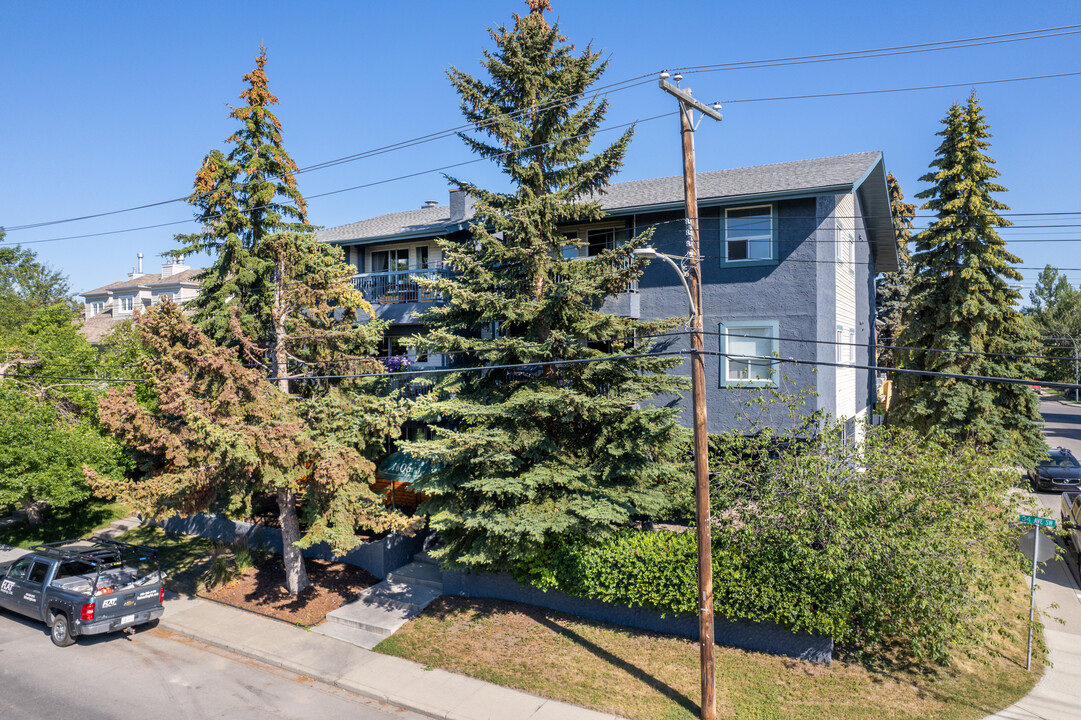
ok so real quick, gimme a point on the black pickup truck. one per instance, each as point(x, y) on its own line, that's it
point(85, 587)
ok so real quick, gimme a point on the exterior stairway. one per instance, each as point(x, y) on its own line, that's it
point(383, 608)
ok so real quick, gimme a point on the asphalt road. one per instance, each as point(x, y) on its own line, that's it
point(158, 675)
point(1062, 427)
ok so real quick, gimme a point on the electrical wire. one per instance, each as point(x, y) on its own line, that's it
point(641, 80)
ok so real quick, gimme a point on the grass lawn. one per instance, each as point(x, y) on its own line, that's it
point(650, 676)
point(184, 558)
point(76, 521)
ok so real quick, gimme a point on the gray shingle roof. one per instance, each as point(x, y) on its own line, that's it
point(187, 276)
point(801, 175)
point(862, 172)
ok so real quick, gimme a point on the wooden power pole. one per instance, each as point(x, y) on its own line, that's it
point(698, 390)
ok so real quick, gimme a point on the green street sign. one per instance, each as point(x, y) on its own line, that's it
point(1046, 522)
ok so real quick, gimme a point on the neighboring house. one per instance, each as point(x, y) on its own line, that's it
point(106, 306)
point(789, 256)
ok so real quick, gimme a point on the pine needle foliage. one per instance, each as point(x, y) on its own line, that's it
point(527, 454)
point(284, 300)
point(961, 300)
point(219, 430)
point(891, 290)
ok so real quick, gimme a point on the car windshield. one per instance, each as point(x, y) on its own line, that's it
point(1061, 461)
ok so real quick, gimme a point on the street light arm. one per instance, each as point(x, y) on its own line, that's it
point(650, 253)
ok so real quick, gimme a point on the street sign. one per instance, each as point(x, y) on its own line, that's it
point(1046, 522)
point(1038, 541)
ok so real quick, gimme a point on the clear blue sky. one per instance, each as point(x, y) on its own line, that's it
point(113, 105)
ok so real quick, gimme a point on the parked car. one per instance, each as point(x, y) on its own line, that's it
point(85, 588)
point(1058, 471)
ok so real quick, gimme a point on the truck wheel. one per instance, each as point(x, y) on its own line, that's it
point(61, 633)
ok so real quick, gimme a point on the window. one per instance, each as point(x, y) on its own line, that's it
point(94, 308)
point(18, 570)
point(391, 346)
point(422, 257)
point(127, 304)
point(749, 234)
point(840, 347)
point(390, 260)
point(160, 297)
point(38, 573)
point(746, 347)
point(851, 346)
point(597, 241)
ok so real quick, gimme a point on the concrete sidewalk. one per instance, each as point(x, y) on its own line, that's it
point(436, 693)
point(1057, 696)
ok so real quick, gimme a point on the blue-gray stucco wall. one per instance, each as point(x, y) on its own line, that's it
point(791, 291)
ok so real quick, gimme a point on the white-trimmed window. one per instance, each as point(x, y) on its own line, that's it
point(746, 347)
point(748, 233)
point(839, 347)
point(94, 308)
point(160, 297)
point(851, 345)
point(127, 304)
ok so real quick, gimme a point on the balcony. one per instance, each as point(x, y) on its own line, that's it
point(399, 286)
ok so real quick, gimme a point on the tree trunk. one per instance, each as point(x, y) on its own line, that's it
point(35, 511)
point(296, 577)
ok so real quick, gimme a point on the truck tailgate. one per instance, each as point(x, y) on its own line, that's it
point(127, 602)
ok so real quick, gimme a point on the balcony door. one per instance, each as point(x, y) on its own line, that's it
point(390, 260)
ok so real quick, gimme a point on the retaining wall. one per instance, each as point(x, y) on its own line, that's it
point(380, 557)
point(763, 637)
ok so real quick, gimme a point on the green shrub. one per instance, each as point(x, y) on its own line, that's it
point(899, 547)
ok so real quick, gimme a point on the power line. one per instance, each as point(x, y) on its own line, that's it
point(374, 183)
point(635, 82)
point(897, 90)
point(886, 51)
point(401, 145)
point(901, 371)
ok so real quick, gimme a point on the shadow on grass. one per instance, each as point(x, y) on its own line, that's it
point(184, 558)
point(632, 670)
point(67, 523)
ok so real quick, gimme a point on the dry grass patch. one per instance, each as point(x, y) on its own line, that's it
point(651, 676)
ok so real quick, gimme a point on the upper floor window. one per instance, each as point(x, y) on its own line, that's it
point(127, 304)
point(748, 233)
point(94, 308)
point(160, 297)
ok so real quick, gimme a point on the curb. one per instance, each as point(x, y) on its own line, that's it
point(297, 668)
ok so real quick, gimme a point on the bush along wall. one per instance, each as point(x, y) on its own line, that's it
point(658, 571)
point(900, 547)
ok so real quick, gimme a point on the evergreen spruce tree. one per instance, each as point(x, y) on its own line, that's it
point(530, 453)
point(285, 302)
point(961, 301)
point(891, 290)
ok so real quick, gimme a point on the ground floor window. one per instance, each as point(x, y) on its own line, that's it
point(747, 348)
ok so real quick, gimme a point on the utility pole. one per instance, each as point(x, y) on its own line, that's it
point(698, 390)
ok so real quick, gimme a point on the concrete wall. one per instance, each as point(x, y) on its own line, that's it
point(380, 557)
point(763, 637)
